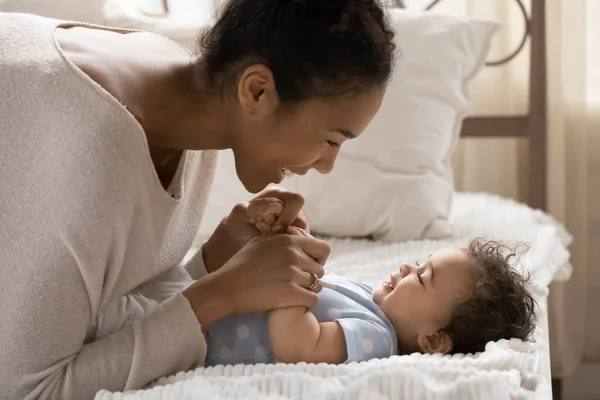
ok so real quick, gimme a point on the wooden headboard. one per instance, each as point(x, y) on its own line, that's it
point(533, 124)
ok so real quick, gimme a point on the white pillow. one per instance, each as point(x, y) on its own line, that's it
point(395, 181)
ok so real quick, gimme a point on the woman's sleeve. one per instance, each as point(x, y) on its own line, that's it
point(44, 317)
point(194, 263)
point(132, 307)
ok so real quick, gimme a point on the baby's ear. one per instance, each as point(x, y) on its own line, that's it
point(438, 342)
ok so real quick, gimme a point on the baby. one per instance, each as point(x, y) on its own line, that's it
point(454, 302)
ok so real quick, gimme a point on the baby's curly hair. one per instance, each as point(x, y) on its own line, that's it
point(501, 308)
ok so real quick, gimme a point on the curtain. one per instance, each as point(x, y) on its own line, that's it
point(573, 127)
point(497, 165)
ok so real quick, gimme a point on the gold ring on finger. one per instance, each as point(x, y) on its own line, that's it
point(314, 283)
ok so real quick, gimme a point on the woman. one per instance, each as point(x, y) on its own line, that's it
point(106, 161)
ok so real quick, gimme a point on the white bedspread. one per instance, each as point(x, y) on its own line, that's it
point(506, 370)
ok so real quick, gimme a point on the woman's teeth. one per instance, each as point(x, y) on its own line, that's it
point(287, 172)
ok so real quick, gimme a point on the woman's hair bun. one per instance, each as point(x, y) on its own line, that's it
point(325, 4)
point(335, 15)
point(313, 47)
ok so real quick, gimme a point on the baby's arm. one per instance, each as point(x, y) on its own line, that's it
point(297, 336)
point(294, 332)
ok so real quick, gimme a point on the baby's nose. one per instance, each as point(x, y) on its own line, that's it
point(405, 269)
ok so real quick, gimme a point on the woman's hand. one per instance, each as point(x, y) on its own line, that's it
point(270, 272)
point(242, 224)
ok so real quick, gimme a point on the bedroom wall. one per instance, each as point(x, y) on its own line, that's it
point(78, 10)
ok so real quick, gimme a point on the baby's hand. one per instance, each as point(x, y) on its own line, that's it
point(263, 213)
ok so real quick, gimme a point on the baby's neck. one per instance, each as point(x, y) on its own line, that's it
point(405, 346)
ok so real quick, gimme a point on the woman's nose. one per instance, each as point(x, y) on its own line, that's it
point(325, 164)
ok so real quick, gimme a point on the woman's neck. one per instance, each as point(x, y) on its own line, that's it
point(175, 116)
point(153, 77)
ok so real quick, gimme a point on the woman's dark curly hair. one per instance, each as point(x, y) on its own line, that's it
point(315, 48)
point(502, 307)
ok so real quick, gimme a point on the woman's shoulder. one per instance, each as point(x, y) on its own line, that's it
point(56, 121)
point(14, 22)
point(24, 37)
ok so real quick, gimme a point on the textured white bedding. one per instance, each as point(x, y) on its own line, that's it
point(506, 370)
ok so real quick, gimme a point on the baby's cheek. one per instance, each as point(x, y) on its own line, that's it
point(404, 308)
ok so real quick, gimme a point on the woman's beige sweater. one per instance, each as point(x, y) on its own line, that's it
point(84, 220)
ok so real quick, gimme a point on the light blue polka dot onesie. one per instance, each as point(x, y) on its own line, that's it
point(369, 333)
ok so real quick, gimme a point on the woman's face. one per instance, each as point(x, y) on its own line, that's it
point(273, 136)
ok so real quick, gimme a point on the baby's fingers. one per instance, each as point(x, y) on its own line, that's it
point(263, 227)
point(260, 208)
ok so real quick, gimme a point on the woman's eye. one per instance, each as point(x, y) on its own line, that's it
point(332, 143)
point(420, 280)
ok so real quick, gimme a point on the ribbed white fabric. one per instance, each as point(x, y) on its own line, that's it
point(506, 370)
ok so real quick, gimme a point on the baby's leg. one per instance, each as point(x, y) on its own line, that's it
point(297, 336)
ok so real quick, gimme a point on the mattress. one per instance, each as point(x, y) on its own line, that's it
point(507, 369)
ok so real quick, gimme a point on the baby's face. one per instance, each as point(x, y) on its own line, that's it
point(419, 299)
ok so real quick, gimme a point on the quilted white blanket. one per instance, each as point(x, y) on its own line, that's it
point(506, 370)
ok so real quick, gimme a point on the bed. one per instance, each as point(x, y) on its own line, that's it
point(507, 369)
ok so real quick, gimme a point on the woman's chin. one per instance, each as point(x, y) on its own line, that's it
point(254, 184)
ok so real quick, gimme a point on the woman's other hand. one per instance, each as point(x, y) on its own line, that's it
point(282, 207)
point(270, 272)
